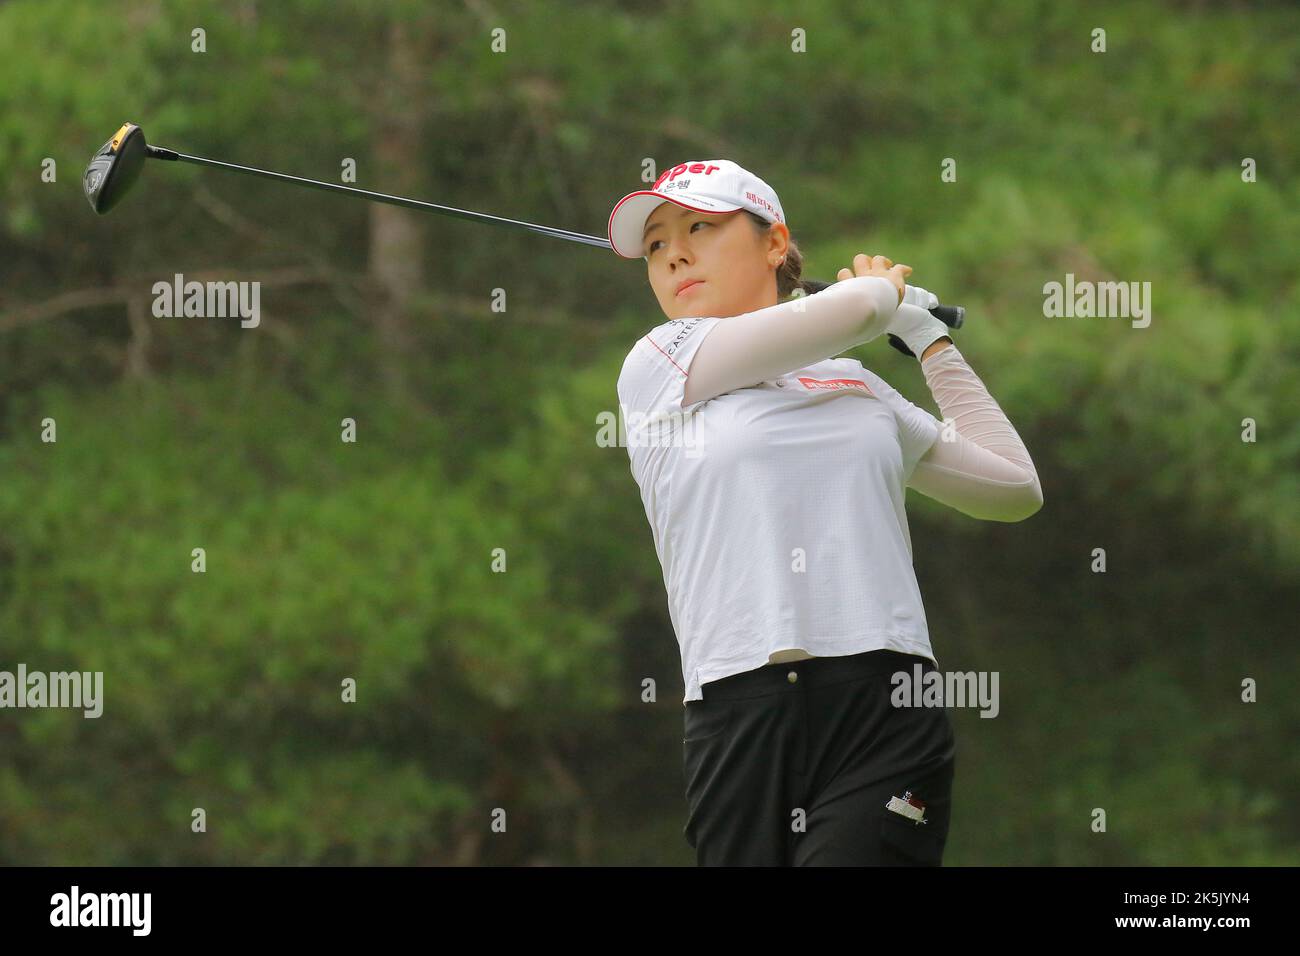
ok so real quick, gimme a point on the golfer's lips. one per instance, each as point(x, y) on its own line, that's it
point(686, 284)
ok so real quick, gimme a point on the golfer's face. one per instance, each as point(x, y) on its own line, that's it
point(719, 249)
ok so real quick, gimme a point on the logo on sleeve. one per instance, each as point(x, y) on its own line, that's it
point(684, 328)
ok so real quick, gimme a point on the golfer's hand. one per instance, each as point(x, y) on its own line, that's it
point(865, 265)
point(917, 328)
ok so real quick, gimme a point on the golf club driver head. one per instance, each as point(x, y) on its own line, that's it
point(114, 168)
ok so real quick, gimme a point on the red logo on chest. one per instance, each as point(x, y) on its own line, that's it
point(833, 384)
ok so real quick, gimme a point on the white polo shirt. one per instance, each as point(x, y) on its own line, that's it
point(776, 509)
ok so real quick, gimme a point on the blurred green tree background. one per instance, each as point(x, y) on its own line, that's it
point(476, 428)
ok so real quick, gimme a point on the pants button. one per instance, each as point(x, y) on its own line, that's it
point(792, 676)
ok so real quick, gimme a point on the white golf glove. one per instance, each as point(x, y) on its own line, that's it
point(913, 323)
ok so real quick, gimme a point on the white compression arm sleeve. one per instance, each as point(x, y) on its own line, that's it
point(758, 346)
point(986, 472)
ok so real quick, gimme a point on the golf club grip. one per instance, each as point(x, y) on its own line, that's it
point(950, 315)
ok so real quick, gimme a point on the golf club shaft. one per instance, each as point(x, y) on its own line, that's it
point(158, 152)
point(950, 315)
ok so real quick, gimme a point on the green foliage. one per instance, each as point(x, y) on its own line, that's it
point(377, 561)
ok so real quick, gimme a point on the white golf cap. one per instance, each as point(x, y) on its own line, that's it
point(711, 185)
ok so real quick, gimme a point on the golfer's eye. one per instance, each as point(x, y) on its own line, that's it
point(698, 222)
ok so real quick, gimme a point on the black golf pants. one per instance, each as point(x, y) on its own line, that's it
point(794, 765)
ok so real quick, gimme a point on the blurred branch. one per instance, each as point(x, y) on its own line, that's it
point(465, 306)
point(62, 304)
point(232, 219)
point(79, 299)
point(477, 308)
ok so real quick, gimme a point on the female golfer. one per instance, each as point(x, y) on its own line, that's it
point(773, 476)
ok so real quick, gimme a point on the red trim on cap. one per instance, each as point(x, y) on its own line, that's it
point(650, 192)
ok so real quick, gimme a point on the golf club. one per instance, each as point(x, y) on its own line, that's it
point(115, 167)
